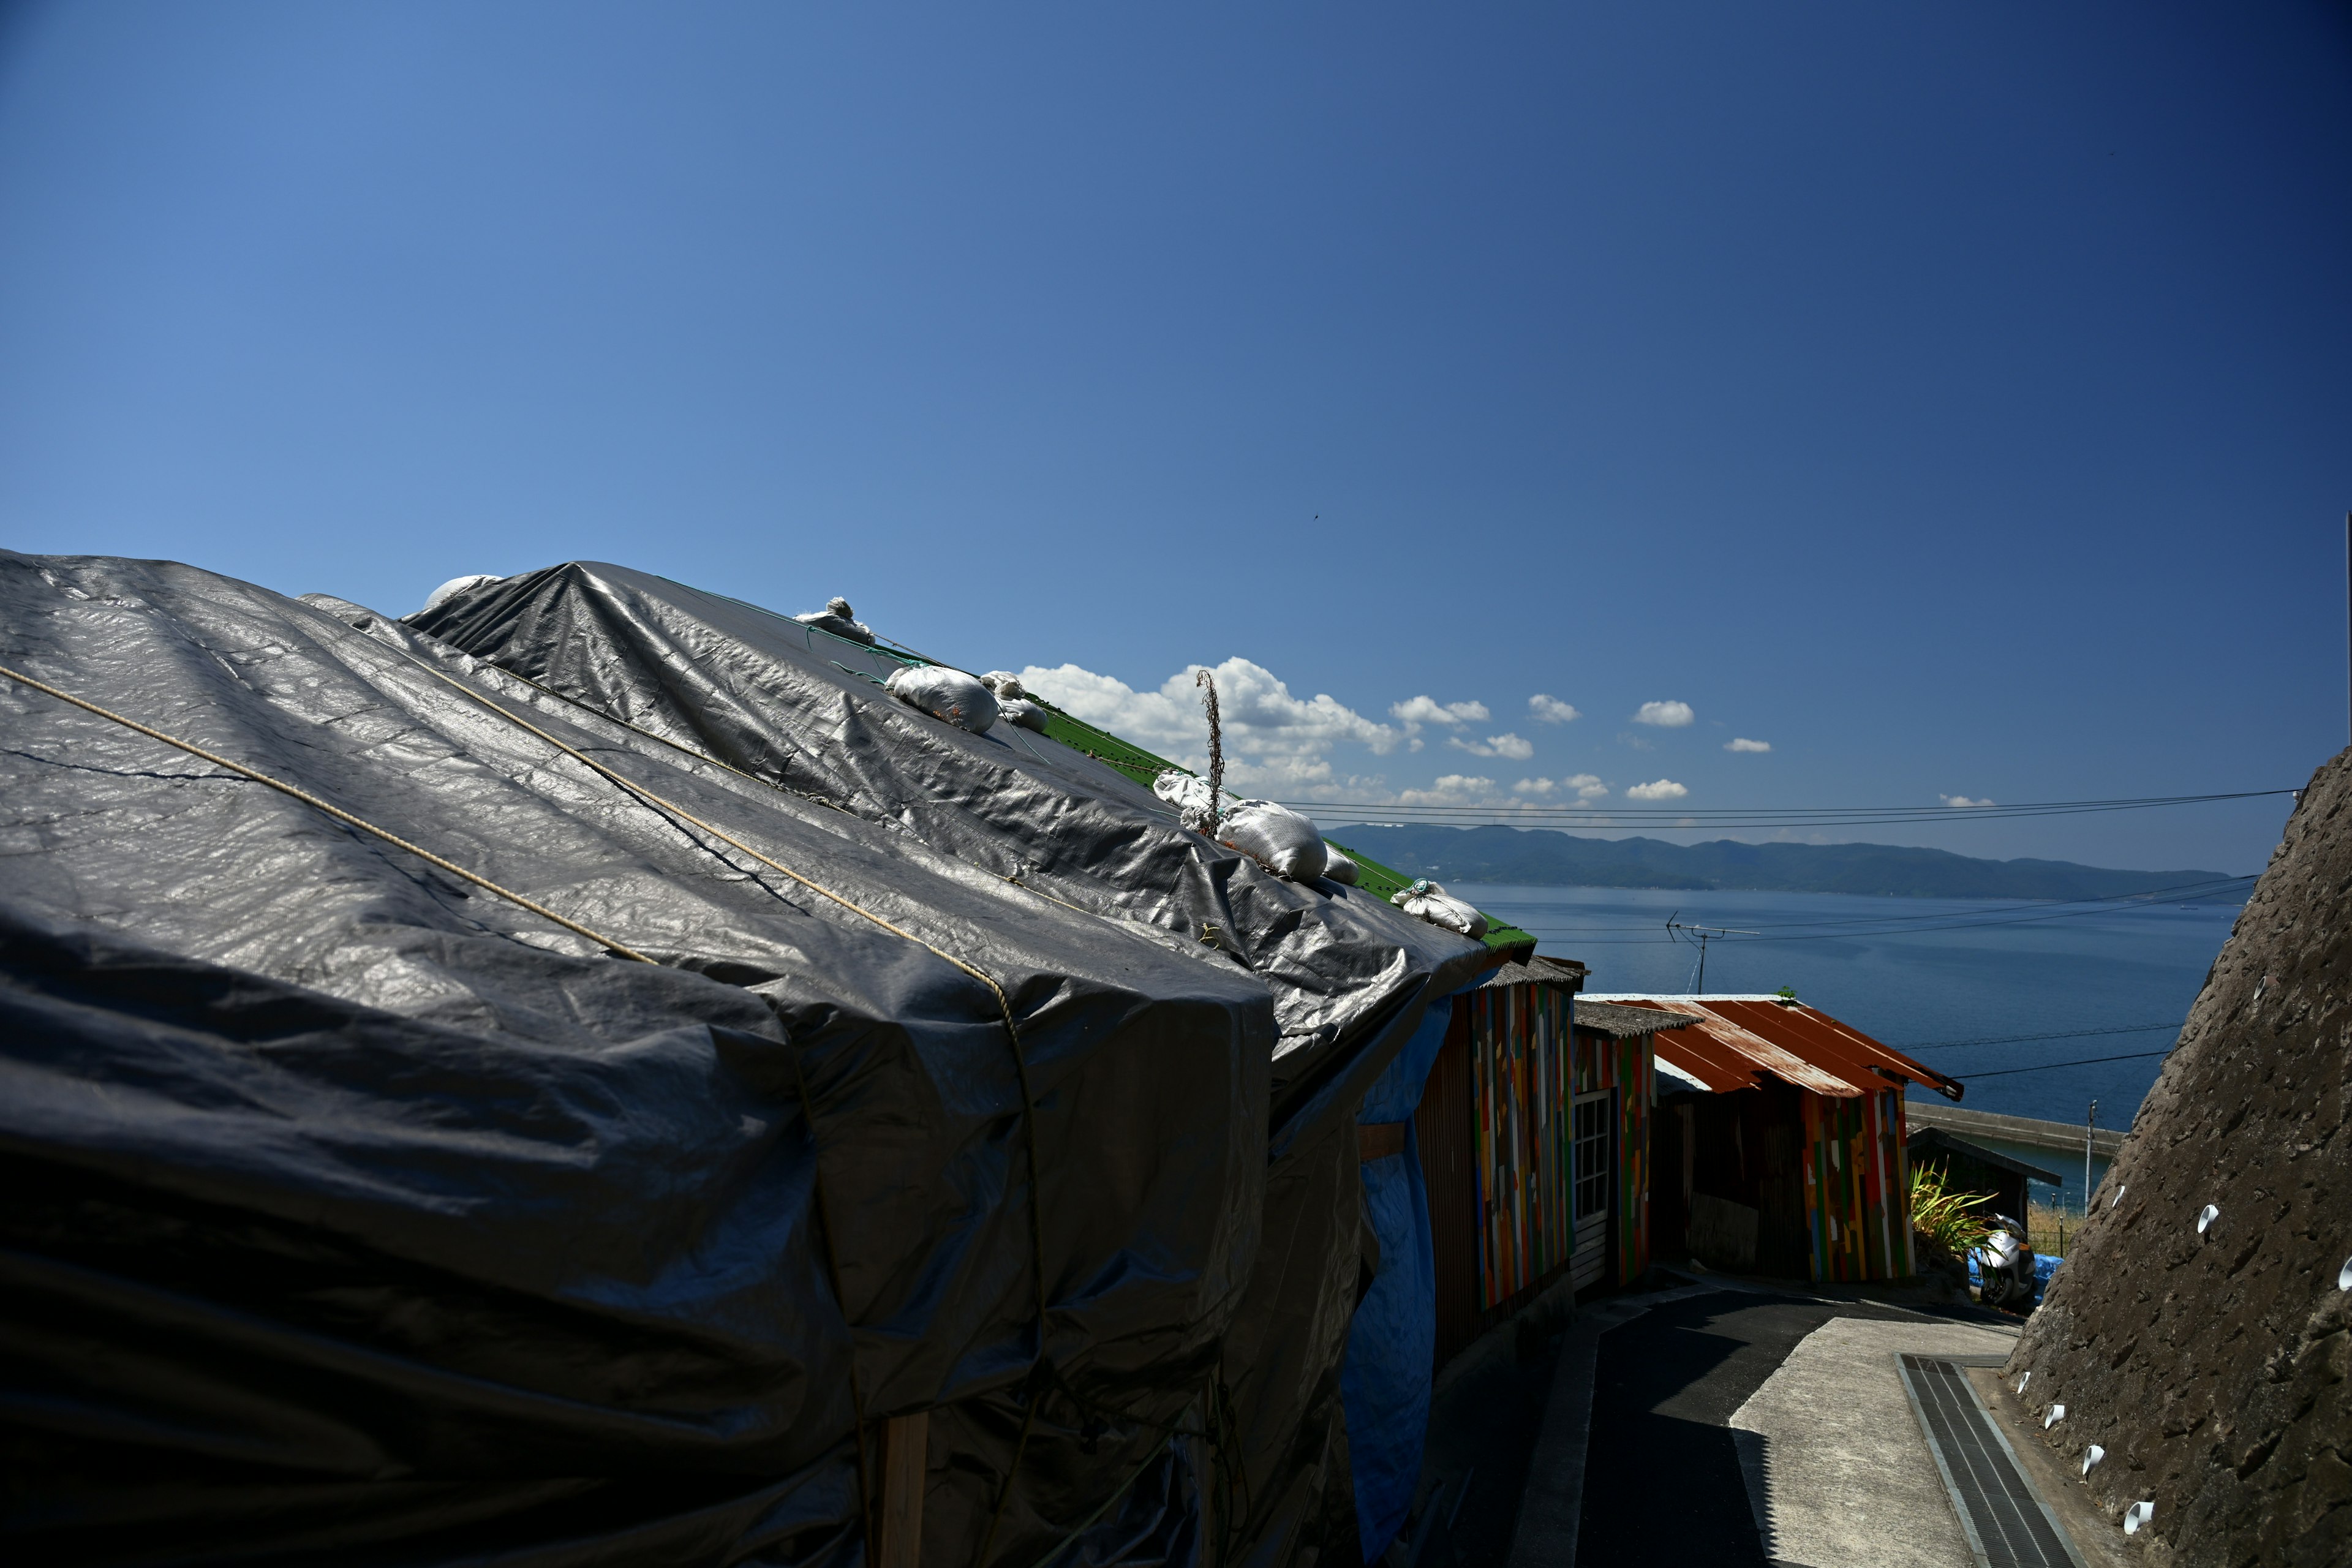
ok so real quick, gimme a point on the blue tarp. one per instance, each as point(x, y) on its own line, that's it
point(1384, 1382)
point(2044, 1265)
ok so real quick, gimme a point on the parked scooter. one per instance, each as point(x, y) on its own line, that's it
point(2005, 1272)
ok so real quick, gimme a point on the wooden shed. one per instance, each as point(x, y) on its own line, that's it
point(1780, 1140)
point(1972, 1168)
point(1534, 1138)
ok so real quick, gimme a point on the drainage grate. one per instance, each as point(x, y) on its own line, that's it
point(2006, 1524)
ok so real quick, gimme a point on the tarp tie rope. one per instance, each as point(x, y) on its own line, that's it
point(808, 1109)
point(1003, 1002)
point(1219, 1431)
point(337, 813)
point(678, 746)
point(1105, 1506)
point(1050, 899)
point(623, 950)
point(685, 749)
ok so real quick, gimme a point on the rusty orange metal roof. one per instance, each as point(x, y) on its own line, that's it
point(1738, 1039)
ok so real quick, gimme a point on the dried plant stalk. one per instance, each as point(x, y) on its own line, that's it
point(1208, 685)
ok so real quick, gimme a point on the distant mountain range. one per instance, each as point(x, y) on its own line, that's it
point(1542, 857)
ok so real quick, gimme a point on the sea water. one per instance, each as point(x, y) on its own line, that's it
point(1919, 975)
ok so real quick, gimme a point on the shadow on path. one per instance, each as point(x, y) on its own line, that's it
point(1662, 1479)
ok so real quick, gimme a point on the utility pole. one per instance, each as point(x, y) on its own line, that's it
point(2348, 614)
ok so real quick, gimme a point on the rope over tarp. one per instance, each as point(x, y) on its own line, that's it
point(1003, 1004)
point(337, 813)
point(621, 949)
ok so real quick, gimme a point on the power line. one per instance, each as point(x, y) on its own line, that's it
point(2146, 895)
point(1373, 814)
point(1679, 822)
point(1827, 935)
point(2109, 802)
point(2021, 1039)
point(2149, 894)
point(2046, 1067)
point(1953, 920)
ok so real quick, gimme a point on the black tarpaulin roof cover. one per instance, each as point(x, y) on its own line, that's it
point(357, 1212)
point(1142, 766)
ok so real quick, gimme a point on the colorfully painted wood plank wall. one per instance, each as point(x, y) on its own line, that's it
point(1527, 1064)
point(1857, 1187)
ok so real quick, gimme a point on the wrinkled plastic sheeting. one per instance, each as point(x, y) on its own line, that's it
point(281, 1278)
point(757, 692)
point(1349, 976)
point(358, 1214)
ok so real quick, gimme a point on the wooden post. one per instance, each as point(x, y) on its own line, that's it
point(906, 1441)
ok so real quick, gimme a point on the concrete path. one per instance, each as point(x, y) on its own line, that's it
point(1551, 1504)
point(1836, 1469)
point(1662, 1407)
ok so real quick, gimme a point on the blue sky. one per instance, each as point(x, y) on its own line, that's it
point(1951, 398)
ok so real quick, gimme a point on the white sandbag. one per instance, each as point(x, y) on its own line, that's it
point(455, 586)
point(1427, 900)
point(945, 693)
point(1337, 867)
point(1189, 794)
point(1275, 836)
point(1013, 703)
point(835, 618)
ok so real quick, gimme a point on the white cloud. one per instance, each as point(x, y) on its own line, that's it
point(1295, 748)
point(1551, 709)
point(1418, 711)
point(1657, 789)
point(1664, 715)
point(1961, 800)
point(1452, 789)
point(1743, 745)
point(1586, 785)
point(1505, 745)
point(1273, 740)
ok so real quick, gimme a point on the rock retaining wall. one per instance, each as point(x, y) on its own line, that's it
point(2211, 1366)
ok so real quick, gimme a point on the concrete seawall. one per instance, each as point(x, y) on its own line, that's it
point(2051, 1145)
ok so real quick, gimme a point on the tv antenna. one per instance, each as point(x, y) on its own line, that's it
point(1701, 935)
